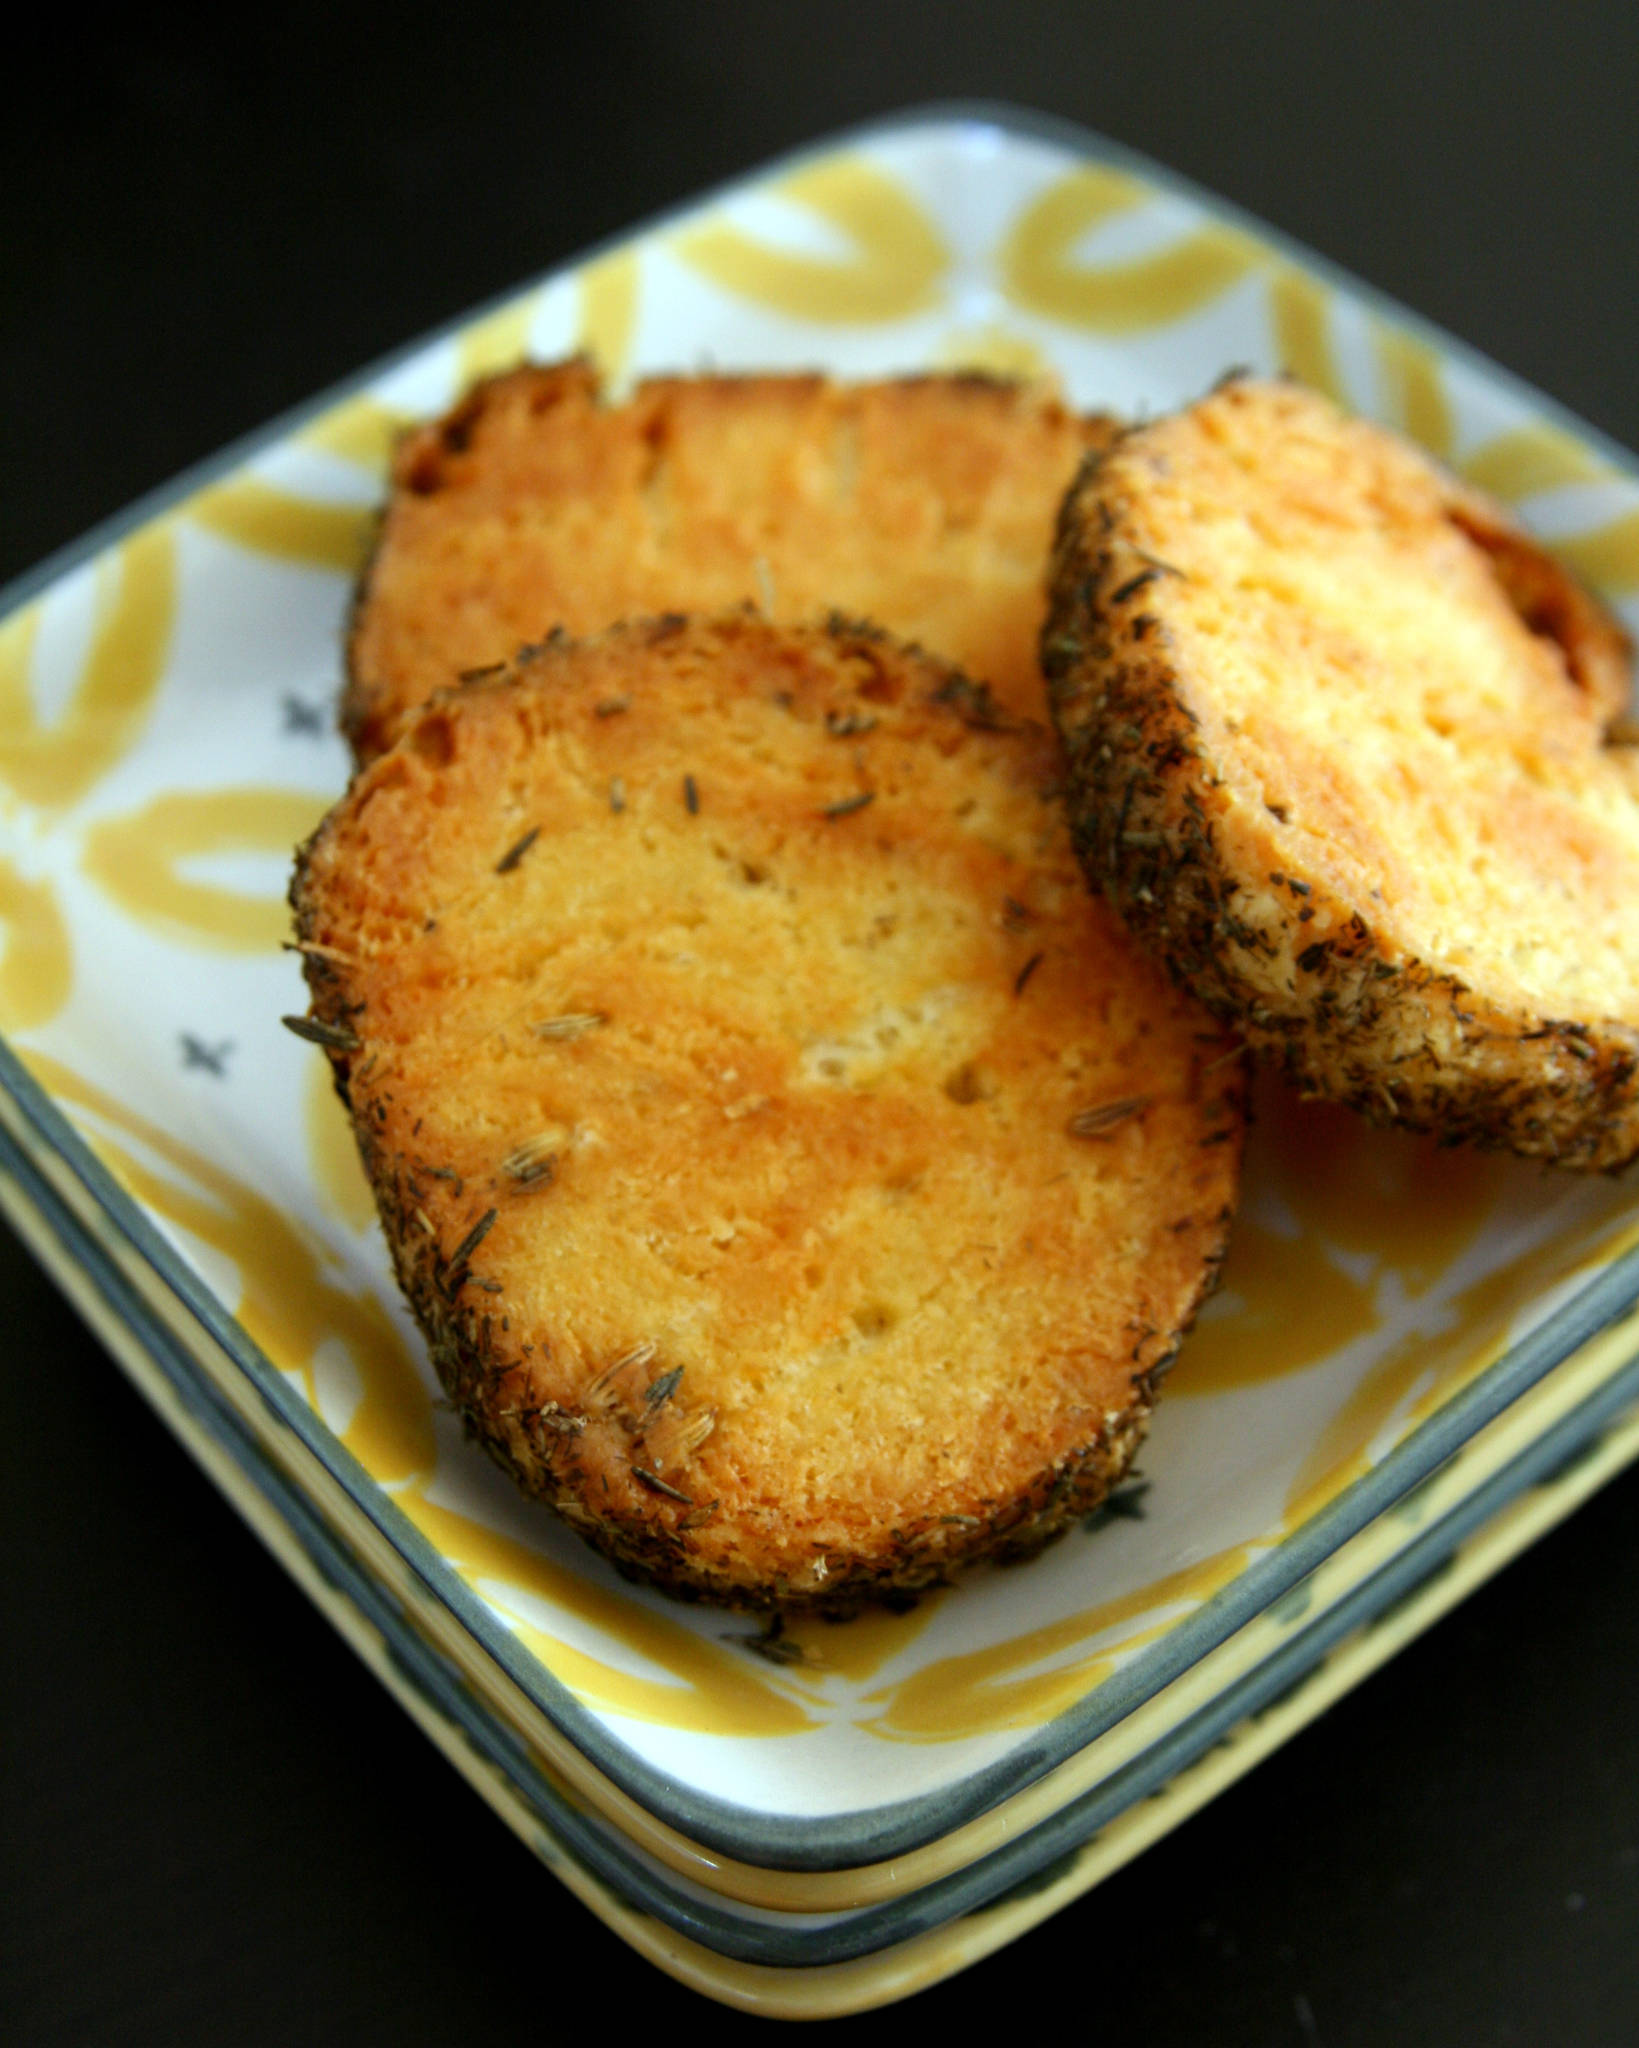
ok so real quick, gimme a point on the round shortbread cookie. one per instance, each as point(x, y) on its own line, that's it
point(802, 1180)
point(924, 503)
point(1347, 750)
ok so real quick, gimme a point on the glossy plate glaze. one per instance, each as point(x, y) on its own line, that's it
point(165, 737)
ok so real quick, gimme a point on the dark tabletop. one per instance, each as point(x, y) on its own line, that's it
point(205, 1833)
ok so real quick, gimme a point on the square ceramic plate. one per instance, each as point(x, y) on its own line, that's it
point(165, 738)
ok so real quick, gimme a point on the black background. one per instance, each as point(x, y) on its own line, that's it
point(215, 1826)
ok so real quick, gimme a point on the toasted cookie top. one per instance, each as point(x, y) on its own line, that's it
point(924, 503)
point(801, 1178)
point(1342, 749)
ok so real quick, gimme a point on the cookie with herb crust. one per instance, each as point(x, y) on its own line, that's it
point(925, 503)
point(802, 1181)
point(1348, 750)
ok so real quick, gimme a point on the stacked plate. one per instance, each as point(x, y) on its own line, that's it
point(1417, 1361)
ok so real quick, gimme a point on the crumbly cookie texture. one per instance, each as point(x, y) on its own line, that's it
point(801, 1179)
point(924, 503)
point(1348, 750)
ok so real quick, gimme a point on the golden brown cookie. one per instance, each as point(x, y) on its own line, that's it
point(801, 1179)
point(1345, 751)
point(925, 503)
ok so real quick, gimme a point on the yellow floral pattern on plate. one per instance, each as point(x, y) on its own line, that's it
point(897, 262)
point(52, 764)
point(140, 860)
point(1040, 270)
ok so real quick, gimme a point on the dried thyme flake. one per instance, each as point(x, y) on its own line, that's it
point(335, 1037)
point(1162, 568)
point(1107, 1117)
point(565, 1421)
point(662, 1389)
point(655, 1484)
point(515, 853)
point(845, 725)
point(611, 707)
point(846, 806)
point(1021, 980)
point(531, 1164)
point(639, 1354)
point(617, 793)
point(572, 1024)
point(545, 1415)
point(473, 1239)
point(694, 1432)
point(1134, 584)
point(974, 705)
point(311, 949)
point(691, 796)
point(765, 584)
